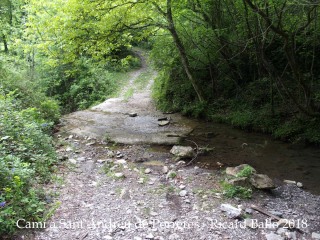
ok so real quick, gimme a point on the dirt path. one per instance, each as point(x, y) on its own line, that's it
point(110, 119)
point(137, 191)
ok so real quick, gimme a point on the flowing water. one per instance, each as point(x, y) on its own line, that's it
point(277, 159)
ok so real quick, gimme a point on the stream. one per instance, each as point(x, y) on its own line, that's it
point(279, 160)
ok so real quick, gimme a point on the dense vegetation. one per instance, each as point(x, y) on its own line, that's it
point(252, 64)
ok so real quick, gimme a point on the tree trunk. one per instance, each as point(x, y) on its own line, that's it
point(182, 52)
point(6, 49)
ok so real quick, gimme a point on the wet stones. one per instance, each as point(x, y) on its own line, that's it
point(182, 152)
point(261, 181)
point(235, 171)
point(231, 211)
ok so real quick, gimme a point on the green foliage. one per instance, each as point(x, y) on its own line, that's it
point(247, 171)
point(231, 191)
point(27, 157)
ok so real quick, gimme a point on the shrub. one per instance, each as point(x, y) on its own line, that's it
point(27, 156)
point(247, 171)
point(231, 191)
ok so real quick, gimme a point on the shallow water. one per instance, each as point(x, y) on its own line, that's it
point(277, 159)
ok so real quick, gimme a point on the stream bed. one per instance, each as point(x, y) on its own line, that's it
point(279, 160)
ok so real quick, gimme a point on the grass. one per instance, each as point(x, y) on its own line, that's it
point(128, 94)
point(143, 79)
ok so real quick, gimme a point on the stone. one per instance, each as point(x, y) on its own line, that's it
point(63, 158)
point(251, 223)
point(165, 169)
point(81, 159)
point(147, 171)
point(141, 181)
point(121, 162)
point(183, 193)
point(234, 171)
point(125, 194)
point(107, 237)
point(133, 114)
point(137, 238)
point(182, 187)
point(282, 231)
point(262, 181)
point(180, 163)
point(231, 211)
point(110, 154)
point(90, 144)
point(273, 236)
point(163, 123)
point(290, 182)
point(299, 185)
point(150, 236)
point(182, 152)
point(119, 175)
point(73, 161)
point(174, 236)
point(315, 235)
point(248, 210)
point(276, 213)
point(241, 182)
point(291, 235)
point(68, 149)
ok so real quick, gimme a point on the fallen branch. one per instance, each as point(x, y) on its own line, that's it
point(254, 207)
point(197, 153)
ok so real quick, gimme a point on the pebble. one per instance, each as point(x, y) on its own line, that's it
point(81, 159)
point(174, 237)
point(141, 181)
point(315, 235)
point(153, 214)
point(183, 193)
point(249, 211)
point(231, 211)
point(276, 213)
point(289, 182)
point(107, 237)
point(165, 169)
point(121, 161)
point(147, 171)
point(150, 236)
point(73, 161)
point(299, 185)
point(250, 223)
point(137, 238)
point(273, 236)
point(68, 149)
point(133, 114)
point(119, 175)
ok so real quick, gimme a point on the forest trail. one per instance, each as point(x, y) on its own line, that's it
point(111, 119)
point(136, 190)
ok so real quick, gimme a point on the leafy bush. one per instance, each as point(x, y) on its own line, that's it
point(247, 171)
point(231, 191)
point(27, 156)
